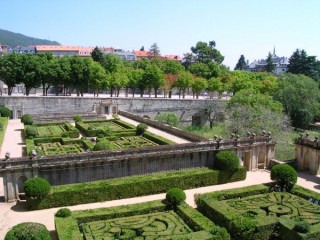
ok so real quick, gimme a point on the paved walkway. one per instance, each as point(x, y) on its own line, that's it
point(13, 213)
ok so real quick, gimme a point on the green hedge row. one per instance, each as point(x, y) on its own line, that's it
point(4, 122)
point(157, 139)
point(305, 193)
point(68, 228)
point(83, 127)
point(111, 189)
point(286, 228)
point(124, 124)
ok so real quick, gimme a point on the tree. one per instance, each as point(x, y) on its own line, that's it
point(205, 53)
point(212, 110)
point(301, 63)
point(153, 78)
point(198, 85)
point(97, 55)
point(98, 78)
point(154, 50)
point(142, 48)
point(183, 82)
point(135, 77)
point(214, 84)
point(270, 66)
point(10, 70)
point(299, 96)
point(200, 70)
point(118, 80)
point(80, 73)
point(241, 64)
point(30, 72)
point(284, 176)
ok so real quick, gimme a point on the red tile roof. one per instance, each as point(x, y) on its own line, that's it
point(142, 53)
point(56, 48)
point(173, 57)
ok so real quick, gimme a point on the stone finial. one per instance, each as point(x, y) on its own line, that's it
point(248, 134)
point(233, 135)
point(7, 155)
point(264, 132)
point(253, 135)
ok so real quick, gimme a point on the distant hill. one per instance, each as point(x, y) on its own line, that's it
point(12, 39)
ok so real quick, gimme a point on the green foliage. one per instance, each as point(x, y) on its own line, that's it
point(31, 132)
point(5, 112)
point(205, 53)
point(120, 188)
point(28, 231)
point(284, 176)
point(226, 160)
point(220, 233)
point(198, 85)
point(157, 139)
point(103, 145)
point(37, 187)
point(241, 64)
point(169, 118)
point(270, 66)
point(302, 227)
point(77, 118)
point(27, 119)
point(174, 197)
point(63, 213)
point(141, 128)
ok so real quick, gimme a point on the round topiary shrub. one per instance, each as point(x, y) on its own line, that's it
point(31, 132)
point(220, 233)
point(37, 187)
point(5, 112)
point(27, 119)
point(28, 231)
point(284, 176)
point(302, 227)
point(226, 160)
point(100, 146)
point(77, 118)
point(63, 213)
point(174, 197)
point(141, 128)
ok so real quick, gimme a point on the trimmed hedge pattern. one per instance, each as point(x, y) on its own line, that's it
point(128, 187)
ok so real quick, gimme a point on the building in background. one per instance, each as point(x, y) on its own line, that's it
point(125, 55)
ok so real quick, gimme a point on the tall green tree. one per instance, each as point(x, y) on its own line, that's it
point(214, 84)
point(80, 73)
point(270, 66)
point(299, 96)
point(153, 78)
point(205, 53)
point(98, 78)
point(200, 70)
point(198, 85)
point(10, 70)
point(154, 50)
point(241, 64)
point(30, 72)
point(97, 55)
point(183, 82)
point(301, 63)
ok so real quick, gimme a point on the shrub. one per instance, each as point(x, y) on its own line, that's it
point(174, 197)
point(301, 227)
point(77, 118)
point(141, 128)
point(27, 119)
point(220, 233)
point(100, 146)
point(37, 187)
point(1, 125)
point(284, 176)
point(31, 132)
point(227, 160)
point(28, 231)
point(170, 118)
point(65, 134)
point(5, 112)
point(63, 213)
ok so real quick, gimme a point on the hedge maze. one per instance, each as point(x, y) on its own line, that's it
point(58, 148)
point(255, 213)
point(148, 226)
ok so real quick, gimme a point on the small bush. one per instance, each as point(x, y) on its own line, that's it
point(5, 112)
point(141, 128)
point(65, 135)
point(103, 145)
point(170, 118)
point(284, 176)
point(302, 227)
point(31, 132)
point(37, 187)
point(227, 160)
point(174, 197)
point(63, 213)
point(220, 233)
point(100, 135)
point(77, 118)
point(28, 231)
point(27, 119)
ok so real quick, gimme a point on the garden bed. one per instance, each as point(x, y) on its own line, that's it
point(255, 213)
point(148, 220)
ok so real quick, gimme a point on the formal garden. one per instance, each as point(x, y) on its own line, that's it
point(64, 138)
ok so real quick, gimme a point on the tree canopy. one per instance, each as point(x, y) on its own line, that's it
point(241, 64)
point(205, 53)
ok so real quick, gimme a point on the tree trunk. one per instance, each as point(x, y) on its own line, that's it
point(155, 92)
point(141, 92)
point(28, 90)
point(111, 91)
point(10, 89)
point(127, 91)
point(44, 89)
point(170, 93)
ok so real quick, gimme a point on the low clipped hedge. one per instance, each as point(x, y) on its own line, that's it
point(204, 229)
point(5, 112)
point(28, 231)
point(157, 139)
point(27, 119)
point(4, 122)
point(124, 124)
point(128, 187)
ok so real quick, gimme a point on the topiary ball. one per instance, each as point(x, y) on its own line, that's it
point(27, 119)
point(63, 213)
point(175, 196)
point(284, 176)
point(141, 128)
point(103, 145)
point(31, 132)
point(5, 112)
point(227, 160)
point(28, 231)
point(37, 187)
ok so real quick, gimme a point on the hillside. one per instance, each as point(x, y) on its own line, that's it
point(12, 39)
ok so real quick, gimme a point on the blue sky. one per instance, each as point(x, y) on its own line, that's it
point(249, 27)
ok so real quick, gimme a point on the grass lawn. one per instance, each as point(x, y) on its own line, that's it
point(4, 122)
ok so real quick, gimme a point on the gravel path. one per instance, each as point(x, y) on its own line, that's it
point(13, 213)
